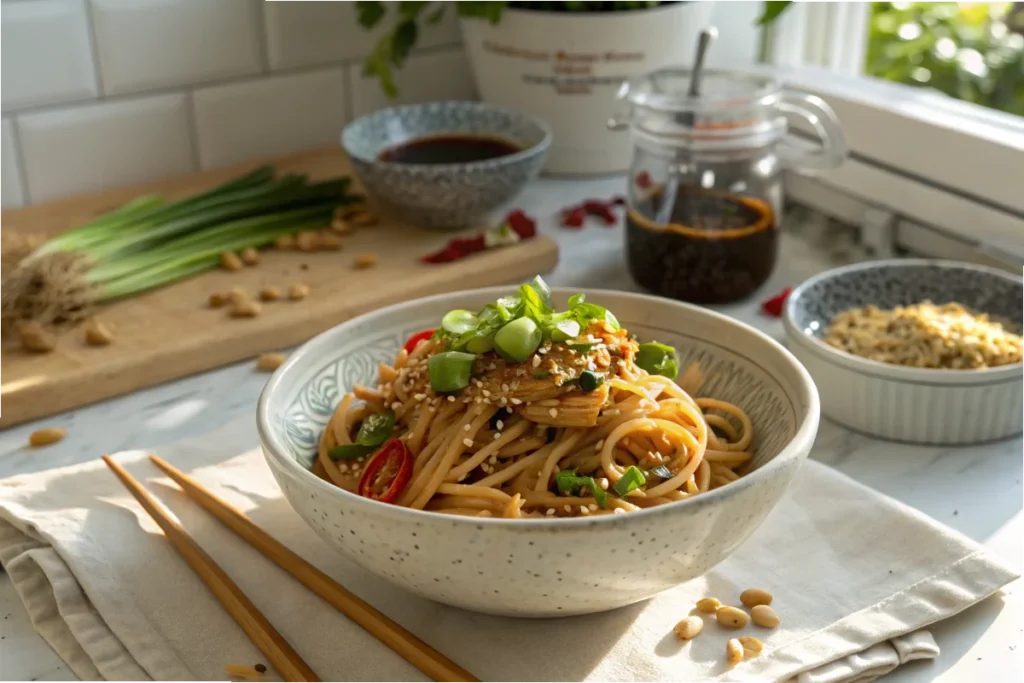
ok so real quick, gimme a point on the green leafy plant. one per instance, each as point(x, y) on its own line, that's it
point(971, 51)
point(394, 46)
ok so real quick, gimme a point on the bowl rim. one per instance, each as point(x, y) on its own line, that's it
point(533, 150)
point(888, 371)
point(802, 441)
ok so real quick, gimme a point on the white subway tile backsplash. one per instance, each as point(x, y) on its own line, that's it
point(96, 146)
point(46, 53)
point(11, 194)
point(433, 76)
point(145, 44)
point(308, 33)
point(269, 116)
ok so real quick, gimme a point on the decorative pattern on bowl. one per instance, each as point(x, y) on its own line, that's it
point(445, 196)
point(909, 404)
point(547, 567)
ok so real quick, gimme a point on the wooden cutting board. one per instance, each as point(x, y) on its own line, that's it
point(171, 332)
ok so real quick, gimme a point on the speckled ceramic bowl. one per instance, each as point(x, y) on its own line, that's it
point(542, 567)
point(909, 404)
point(451, 195)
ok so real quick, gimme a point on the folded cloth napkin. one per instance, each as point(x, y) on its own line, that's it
point(856, 576)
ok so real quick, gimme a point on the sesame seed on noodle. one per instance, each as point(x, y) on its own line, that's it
point(550, 512)
point(536, 361)
point(553, 412)
point(468, 442)
point(501, 425)
point(592, 507)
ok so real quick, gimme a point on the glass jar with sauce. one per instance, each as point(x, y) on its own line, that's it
point(705, 188)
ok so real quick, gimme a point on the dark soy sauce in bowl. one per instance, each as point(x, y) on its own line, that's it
point(456, 148)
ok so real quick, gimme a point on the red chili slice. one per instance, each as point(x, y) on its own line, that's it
point(774, 306)
point(643, 180)
point(387, 473)
point(415, 339)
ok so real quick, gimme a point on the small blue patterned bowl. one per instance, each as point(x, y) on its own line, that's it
point(450, 195)
point(915, 405)
point(541, 567)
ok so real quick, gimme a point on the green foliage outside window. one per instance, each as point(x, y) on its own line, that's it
point(971, 51)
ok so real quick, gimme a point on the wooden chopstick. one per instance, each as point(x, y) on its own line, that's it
point(405, 644)
point(271, 643)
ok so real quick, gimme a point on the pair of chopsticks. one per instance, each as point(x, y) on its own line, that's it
point(271, 643)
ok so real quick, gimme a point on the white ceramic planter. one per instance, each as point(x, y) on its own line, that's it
point(566, 68)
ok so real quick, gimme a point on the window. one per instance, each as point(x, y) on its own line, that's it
point(936, 157)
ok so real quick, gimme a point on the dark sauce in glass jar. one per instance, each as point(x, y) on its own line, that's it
point(705, 192)
point(714, 248)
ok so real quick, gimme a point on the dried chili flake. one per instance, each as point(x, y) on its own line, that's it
point(774, 305)
point(574, 217)
point(523, 225)
point(643, 180)
point(601, 209)
point(516, 227)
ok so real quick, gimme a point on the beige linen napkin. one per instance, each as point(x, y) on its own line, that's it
point(856, 576)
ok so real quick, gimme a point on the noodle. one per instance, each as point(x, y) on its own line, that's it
point(509, 443)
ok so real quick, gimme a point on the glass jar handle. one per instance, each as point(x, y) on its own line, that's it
point(826, 126)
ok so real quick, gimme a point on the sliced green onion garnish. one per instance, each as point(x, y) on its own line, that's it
point(662, 472)
point(350, 451)
point(542, 289)
point(658, 359)
point(517, 340)
point(600, 495)
point(479, 345)
point(459, 321)
point(376, 429)
point(631, 479)
point(564, 330)
point(589, 381)
point(540, 374)
point(569, 483)
point(450, 371)
point(583, 348)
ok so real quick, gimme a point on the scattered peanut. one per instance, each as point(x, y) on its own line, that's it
point(341, 226)
point(308, 240)
point(751, 646)
point(268, 362)
point(689, 628)
point(97, 334)
point(285, 242)
point(46, 436)
point(298, 291)
point(752, 597)
point(250, 256)
point(329, 241)
point(237, 295)
point(246, 309)
point(229, 261)
point(732, 617)
point(734, 651)
point(35, 338)
point(270, 294)
point(362, 218)
point(708, 605)
point(366, 261)
point(218, 299)
point(764, 616)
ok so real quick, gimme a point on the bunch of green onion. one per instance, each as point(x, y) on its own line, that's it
point(150, 242)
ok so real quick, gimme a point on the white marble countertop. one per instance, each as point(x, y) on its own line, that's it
point(975, 490)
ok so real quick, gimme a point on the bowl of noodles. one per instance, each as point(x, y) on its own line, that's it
point(529, 452)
